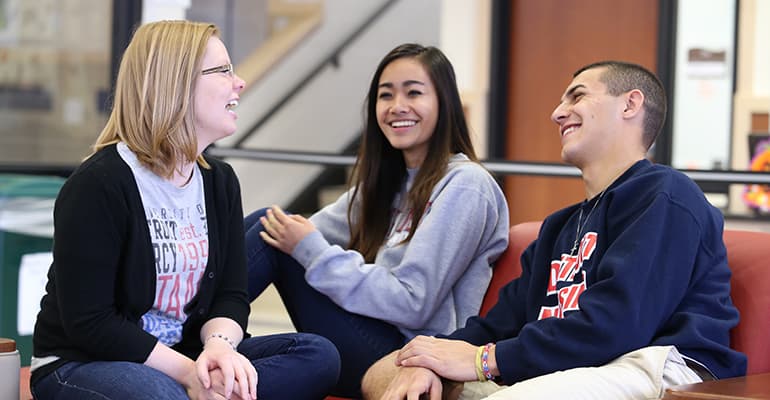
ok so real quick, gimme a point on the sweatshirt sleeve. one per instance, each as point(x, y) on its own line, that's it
point(90, 231)
point(507, 316)
point(468, 213)
point(332, 221)
point(640, 281)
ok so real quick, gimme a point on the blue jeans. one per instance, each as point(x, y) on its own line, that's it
point(360, 340)
point(289, 366)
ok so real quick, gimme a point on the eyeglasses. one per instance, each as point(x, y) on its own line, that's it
point(226, 69)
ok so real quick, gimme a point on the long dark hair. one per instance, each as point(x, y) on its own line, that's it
point(380, 168)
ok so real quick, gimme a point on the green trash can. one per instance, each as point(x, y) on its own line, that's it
point(26, 238)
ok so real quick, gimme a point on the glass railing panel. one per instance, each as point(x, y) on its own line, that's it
point(55, 59)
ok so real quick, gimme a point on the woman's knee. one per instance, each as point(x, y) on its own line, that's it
point(321, 355)
point(252, 219)
point(321, 348)
point(311, 359)
point(108, 380)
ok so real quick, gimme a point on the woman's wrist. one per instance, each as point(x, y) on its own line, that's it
point(220, 337)
point(172, 363)
point(221, 329)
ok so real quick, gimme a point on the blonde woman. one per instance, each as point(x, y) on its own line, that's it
point(146, 297)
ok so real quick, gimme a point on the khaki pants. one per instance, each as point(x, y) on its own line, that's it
point(641, 374)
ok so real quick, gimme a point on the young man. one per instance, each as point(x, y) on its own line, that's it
point(621, 295)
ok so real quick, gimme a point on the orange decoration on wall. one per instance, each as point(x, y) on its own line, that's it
point(757, 196)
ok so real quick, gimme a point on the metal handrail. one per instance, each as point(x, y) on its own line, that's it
point(28, 169)
point(504, 167)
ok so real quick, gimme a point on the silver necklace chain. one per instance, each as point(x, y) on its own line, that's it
point(580, 228)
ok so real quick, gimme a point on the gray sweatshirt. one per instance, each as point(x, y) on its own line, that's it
point(432, 283)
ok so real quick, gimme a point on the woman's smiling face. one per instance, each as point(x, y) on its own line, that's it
point(407, 108)
point(216, 95)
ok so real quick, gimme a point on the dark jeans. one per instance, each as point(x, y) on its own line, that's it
point(360, 340)
point(289, 366)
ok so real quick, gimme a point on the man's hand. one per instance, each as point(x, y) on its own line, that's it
point(412, 382)
point(284, 231)
point(451, 359)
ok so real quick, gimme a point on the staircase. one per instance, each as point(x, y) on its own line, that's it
point(312, 98)
point(306, 88)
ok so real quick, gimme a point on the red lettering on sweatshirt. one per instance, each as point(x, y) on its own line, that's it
point(562, 277)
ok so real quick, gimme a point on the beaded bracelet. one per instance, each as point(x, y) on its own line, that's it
point(220, 336)
point(479, 370)
point(485, 362)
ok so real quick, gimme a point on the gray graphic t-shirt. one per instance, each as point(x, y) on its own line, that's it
point(176, 219)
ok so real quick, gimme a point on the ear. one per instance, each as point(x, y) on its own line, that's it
point(634, 100)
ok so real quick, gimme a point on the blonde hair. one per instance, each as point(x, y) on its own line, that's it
point(152, 112)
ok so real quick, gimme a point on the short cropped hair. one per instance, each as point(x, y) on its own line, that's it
point(621, 77)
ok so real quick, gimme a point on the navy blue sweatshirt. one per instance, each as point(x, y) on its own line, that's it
point(651, 269)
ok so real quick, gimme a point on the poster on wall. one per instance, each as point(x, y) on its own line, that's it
point(706, 64)
point(703, 84)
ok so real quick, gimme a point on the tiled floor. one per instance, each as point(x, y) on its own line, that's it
point(268, 314)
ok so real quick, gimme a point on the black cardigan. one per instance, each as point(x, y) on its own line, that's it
point(102, 279)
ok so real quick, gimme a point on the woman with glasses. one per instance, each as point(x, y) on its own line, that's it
point(146, 296)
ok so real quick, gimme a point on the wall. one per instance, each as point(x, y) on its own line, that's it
point(703, 86)
point(550, 39)
point(465, 39)
point(752, 89)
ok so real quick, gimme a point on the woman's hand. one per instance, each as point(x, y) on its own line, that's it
point(196, 391)
point(183, 370)
point(225, 371)
point(218, 387)
point(284, 231)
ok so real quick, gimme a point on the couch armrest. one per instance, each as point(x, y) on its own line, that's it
point(755, 386)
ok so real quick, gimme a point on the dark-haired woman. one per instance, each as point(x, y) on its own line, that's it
point(408, 250)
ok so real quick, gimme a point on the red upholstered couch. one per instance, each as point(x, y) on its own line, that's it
point(748, 255)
